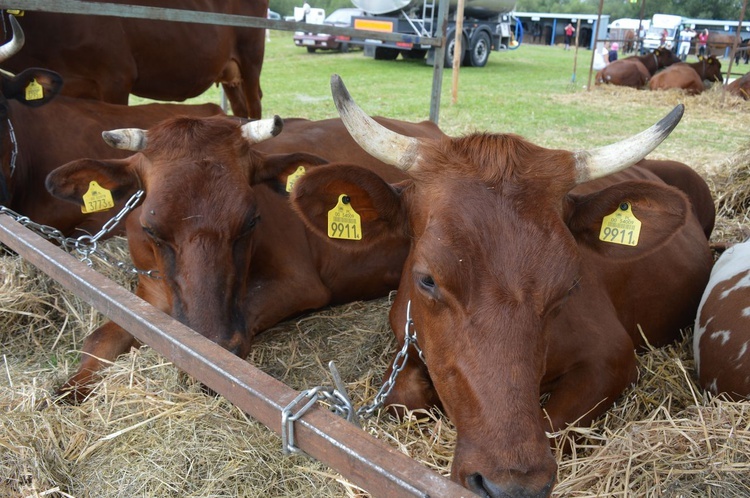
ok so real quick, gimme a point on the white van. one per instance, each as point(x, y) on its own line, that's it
point(659, 23)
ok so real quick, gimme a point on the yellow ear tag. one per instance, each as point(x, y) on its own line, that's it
point(291, 179)
point(343, 221)
point(97, 198)
point(621, 227)
point(34, 91)
point(15, 12)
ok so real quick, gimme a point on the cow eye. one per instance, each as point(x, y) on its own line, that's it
point(250, 225)
point(151, 234)
point(426, 283)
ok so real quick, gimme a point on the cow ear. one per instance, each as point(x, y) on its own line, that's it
point(281, 171)
point(70, 181)
point(33, 87)
point(662, 211)
point(380, 205)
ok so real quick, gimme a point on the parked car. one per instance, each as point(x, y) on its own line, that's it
point(323, 41)
point(274, 15)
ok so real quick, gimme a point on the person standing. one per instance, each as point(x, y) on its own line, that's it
point(569, 30)
point(601, 57)
point(686, 37)
point(700, 49)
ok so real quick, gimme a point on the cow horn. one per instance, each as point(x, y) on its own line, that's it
point(14, 45)
point(603, 161)
point(262, 129)
point(377, 140)
point(133, 139)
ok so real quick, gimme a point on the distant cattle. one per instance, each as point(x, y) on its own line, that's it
point(107, 58)
point(233, 258)
point(41, 131)
point(743, 51)
point(689, 77)
point(636, 71)
point(740, 87)
point(531, 271)
point(628, 46)
point(721, 341)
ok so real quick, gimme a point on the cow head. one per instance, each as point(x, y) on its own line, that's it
point(33, 87)
point(709, 68)
point(665, 57)
point(199, 222)
point(492, 262)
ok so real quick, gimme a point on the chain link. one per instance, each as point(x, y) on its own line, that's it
point(339, 401)
point(85, 245)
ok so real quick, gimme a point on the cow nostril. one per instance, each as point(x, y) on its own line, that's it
point(488, 489)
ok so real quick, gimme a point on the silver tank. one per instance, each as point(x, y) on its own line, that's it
point(478, 9)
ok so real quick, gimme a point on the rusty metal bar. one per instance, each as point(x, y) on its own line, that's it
point(363, 460)
point(181, 15)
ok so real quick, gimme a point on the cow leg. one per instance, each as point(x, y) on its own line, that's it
point(100, 348)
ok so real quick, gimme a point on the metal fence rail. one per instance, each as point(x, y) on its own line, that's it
point(359, 457)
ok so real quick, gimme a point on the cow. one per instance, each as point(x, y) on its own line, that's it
point(628, 46)
point(232, 257)
point(689, 77)
point(515, 284)
point(743, 51)
point(108, 58)
point(740, 87)
point(39, 134)
point(721, 340)
point(636, 70)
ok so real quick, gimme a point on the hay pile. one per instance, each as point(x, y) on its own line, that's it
point(151, 431)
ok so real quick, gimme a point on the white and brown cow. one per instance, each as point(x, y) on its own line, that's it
point(721, 343)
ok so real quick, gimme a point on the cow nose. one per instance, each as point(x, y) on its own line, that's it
point(485, 488)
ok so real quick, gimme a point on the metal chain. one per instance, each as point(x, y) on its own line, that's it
point(85, 245)
point(339, 401)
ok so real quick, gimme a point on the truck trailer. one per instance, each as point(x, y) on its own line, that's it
point(487, 25)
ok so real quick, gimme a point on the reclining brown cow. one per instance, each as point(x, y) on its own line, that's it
point(688, 77)
point(635, 71)
point(233, 258)
point(530, 272)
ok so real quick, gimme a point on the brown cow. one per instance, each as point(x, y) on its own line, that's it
point(518, 284)
point(635, 71)
point(40, 134)
point(721, 341)
point(107, 58)
point(740, 87)
point(233, 257)
point(689, 77)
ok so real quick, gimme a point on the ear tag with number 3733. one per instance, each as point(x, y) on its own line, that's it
point(97, 198)
point(621, 227)
point(343, 221)
point(292, 179)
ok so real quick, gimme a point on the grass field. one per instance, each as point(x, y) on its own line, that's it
point(151, 432)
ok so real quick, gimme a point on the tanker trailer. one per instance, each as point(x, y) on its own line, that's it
point(487, 26)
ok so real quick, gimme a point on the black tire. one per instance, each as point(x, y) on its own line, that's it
point(415, 54)
point(344, 48)
point(385, 53)
point(450, 45)
point(310, 50)
point(479, 51)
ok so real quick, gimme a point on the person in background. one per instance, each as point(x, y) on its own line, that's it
point(612, 55)
point(700, 48)
point(601, 57)
point(664, 35)
point(569, 30)
point(268, 31)
point(686, 37)
point(306, 11)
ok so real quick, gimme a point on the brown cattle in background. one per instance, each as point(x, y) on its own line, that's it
point(689, 77)
point(740, 87)
point(636, 71)
point(108, 58)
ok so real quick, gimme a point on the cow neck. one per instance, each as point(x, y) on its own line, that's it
point(4, 190)
point(656, 63)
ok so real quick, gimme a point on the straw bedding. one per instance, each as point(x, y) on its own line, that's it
point(150, 430)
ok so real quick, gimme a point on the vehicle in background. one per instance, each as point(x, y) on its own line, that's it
point(486, 26)
point(659, 23)
point(322, 41)
point(274, 15)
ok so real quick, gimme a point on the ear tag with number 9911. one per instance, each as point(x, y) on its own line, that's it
point(343, 221)
point(291, 179)
point(34, 91)
point(621, 227)
point(97, 198)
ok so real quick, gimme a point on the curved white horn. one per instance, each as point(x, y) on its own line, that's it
point(15, 43)
point(133, 139)
point(377, 140)
point(262, 129)
point(603, 161)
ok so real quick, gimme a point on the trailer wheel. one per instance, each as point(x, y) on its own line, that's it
point(385, 54)
point(450, 47)
point(479, 52)
point(414, 54)
point(310, 50)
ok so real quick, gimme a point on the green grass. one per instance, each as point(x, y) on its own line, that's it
point(529, 91)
